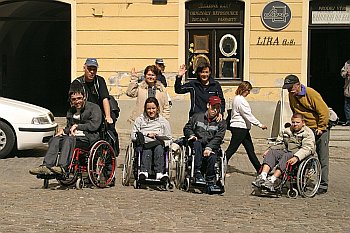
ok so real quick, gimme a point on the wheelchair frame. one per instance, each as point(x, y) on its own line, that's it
point(184, 177)
point(94, 162)
point(132, 165)
point(303, 178)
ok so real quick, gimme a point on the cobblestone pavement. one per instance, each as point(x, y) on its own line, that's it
point(26, 207)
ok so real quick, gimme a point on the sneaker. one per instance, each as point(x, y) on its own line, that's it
point(346, 124)
point(42, 169)
point(199, 178)
point(268, 184)
point(143, 175)
point(57, 170)
point(258, 181)
point(162, 177)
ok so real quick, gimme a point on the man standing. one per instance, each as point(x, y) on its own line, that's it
point(96, 92)
point(345, 73)
point(309, 103)
point(161, 66)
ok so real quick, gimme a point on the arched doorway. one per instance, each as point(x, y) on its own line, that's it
point(35, 47)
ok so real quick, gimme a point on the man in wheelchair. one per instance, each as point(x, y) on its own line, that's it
point(206, 134)
point(293, 144)
point(82, 130)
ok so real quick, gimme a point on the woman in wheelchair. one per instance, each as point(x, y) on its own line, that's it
point(293, 144)
point(152, 132)
point(82, 130)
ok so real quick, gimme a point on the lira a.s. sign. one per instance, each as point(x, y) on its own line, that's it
point(276, 15)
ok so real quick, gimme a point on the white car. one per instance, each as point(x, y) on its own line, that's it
point(24, 126)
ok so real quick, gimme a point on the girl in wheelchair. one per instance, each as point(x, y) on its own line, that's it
point(151, 133)
point(293, 144)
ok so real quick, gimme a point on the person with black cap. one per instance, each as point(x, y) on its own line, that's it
point(207, 134)
point(96, 91)
point(309, 103)
point(82, 130)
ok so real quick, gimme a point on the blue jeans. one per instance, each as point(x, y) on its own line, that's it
point(347, 109)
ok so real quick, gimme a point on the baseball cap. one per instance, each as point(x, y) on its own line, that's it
point(159, 61)
point(91, 62)
point(214, 100)
point(289, 81)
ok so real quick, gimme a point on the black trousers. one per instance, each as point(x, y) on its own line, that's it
point(242, 136)
point(198, 159)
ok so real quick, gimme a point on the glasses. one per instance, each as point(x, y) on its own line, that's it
point(73, 99)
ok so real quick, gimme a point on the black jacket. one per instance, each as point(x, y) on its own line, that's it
point(200, 94)
point(211, 134)
point(89, 123)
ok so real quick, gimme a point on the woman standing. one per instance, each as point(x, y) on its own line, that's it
point(149, 87)
point(240, 125)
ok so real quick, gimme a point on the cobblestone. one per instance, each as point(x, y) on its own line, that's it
point(26, 207)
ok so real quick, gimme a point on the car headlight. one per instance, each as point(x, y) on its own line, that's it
point(41, 120)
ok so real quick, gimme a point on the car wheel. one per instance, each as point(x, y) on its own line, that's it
point(7, 139)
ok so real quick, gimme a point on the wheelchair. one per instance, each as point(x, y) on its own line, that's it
point(302, 179)
point(185, 173)
point(132, 166)
point(95, 165)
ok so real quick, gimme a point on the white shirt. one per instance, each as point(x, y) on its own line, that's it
point(242, 116)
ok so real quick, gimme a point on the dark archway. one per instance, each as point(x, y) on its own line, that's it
point(35, 47)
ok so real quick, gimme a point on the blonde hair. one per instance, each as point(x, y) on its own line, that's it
point(244, 86)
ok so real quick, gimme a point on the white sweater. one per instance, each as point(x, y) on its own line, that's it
point(242, 116)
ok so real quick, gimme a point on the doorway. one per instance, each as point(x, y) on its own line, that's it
point(328, 51)
point(35, 47)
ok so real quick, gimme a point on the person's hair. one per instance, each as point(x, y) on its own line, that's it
point(76, 88)
point(201, 67)
point(152, 68)
point(151, 100)
point(244, 86)
point(298, 115)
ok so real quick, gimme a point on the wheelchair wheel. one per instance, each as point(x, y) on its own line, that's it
point(79, 184)
point(101, 164)
point(186, 185)
point(46, 183)
point(128, 165)
point(223, 169)
point(180, 169)
point(292, 193)
point(72, 176)
point(309, 177)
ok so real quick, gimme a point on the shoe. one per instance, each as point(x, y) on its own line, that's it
point(143, 175)
point(162, 177)
point(268, 184)
point(321, 191)
point(258, 181)
point(199, 178)
point(57, 170)
point(42, 169)
point(346, 124)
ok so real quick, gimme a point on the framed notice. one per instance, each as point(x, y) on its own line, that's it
point(228, 68)
point(201, 43)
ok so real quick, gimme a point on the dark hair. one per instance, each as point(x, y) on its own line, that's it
point(151, 100)
point(76, 88)
point(152, 68)
point(201, 67)
point(244, 86)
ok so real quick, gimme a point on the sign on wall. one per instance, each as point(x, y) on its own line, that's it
point(330, 13)
point(276, 15)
